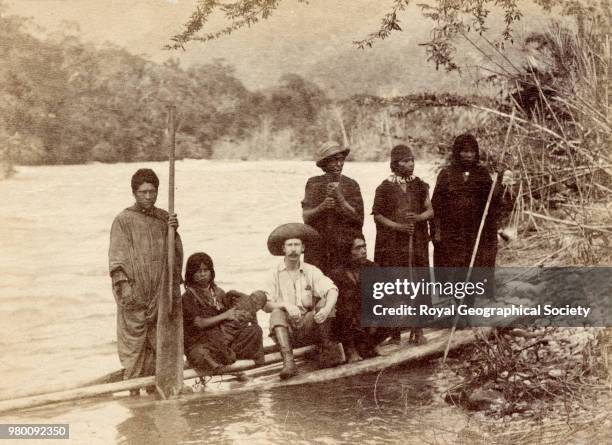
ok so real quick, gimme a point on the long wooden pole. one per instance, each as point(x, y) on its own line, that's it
point(169, 358)
point(345, 138)
point(411, 256)
point(479, 234)
point(171, 230)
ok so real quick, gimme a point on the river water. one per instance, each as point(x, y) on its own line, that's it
point(57, 313)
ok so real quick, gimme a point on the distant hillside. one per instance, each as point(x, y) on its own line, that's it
point(395, 71)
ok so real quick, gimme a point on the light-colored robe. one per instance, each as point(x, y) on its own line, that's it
point(138, 253)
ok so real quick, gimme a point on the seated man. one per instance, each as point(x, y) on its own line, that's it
point(301, 299)
point(358, 342)
point(219, 327)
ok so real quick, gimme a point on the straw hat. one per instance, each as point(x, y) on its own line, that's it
point(282, 233)
point(328, 149)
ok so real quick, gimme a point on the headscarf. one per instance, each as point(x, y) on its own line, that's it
point(462, 142)
point(398, 153)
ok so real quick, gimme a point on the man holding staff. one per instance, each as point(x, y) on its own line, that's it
point(138, 266)
point(333, 206)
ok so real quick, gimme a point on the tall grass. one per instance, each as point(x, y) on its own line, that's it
point(562, 139)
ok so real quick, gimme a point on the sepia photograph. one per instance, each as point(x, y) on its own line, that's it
point(306, 221)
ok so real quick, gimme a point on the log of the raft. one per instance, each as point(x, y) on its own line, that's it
point(434, 348)
point(111, 377)
point(117, 376)
point(126, 385)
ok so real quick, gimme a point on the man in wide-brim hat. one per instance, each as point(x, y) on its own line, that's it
point(332, 205)
point(301, 299)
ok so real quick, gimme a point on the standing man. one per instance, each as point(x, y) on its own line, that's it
point(301, 299)
point(333, 206)
point(138, 264)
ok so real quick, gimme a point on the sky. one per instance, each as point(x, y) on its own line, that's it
point(296, 36)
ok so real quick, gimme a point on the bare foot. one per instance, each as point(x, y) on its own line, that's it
point(417, 337)
point(353, 357)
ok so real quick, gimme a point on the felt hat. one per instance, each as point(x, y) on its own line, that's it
point(328, 149)
point(282, 233)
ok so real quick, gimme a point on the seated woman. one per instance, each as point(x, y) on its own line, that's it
point(358, 342)
point(219, 327)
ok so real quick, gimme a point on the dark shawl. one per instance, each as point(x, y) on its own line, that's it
point(458, 208)
point(391, 247)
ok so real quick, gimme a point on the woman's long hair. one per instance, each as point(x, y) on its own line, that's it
point(346, 245)
point(193, 265)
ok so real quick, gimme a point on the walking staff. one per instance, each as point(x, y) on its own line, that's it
point(479, 233)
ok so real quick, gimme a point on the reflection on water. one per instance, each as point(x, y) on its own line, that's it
point(400, 410)
point(57, 313)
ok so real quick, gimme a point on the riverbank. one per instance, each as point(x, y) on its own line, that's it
point(544, 385)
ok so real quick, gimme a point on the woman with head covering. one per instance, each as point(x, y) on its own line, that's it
point(332, 205)
point(401, 211)
point(459, 200)
point(219, 327)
